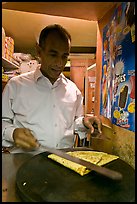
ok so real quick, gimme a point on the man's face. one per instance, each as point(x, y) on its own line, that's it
point(54, 56)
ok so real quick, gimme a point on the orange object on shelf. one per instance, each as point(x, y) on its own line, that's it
point(9, 48)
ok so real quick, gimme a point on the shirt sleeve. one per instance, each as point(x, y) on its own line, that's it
point(79, 127)
point(7, 115)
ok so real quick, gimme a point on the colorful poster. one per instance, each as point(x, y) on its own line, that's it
point(118, 68)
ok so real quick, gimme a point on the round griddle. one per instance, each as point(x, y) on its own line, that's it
point(42, 180)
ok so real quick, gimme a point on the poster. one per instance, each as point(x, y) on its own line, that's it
point(118, 68)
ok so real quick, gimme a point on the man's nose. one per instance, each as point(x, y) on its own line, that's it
point(59, 62)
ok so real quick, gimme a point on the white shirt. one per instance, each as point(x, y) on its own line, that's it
point(51, 112)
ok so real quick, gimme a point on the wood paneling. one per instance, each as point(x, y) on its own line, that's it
point(81, 10)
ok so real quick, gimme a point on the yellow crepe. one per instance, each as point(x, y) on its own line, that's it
point(99, 158)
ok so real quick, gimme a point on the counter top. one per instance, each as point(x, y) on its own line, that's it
point(10, 165)
point(11, 162)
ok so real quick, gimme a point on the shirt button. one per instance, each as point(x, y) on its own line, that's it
point(54, 106)
point(57, 145)
point(55, 124)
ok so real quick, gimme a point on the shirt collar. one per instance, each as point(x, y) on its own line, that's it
point(37, 74)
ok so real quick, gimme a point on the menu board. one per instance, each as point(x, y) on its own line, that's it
point(118, 67)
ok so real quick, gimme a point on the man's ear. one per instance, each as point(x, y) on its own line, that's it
point(38, 48)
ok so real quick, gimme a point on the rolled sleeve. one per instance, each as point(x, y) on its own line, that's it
point(80, 128)
point(8, 135)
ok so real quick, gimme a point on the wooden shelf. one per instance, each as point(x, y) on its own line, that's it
point(8, 65)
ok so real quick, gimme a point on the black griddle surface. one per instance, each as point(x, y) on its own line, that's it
point(42, 180)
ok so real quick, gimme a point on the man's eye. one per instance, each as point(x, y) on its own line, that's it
point(53, 55)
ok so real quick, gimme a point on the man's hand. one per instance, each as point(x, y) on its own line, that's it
point(24, 138)
point(92, 122)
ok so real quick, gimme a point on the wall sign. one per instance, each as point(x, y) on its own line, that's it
point(118, 68)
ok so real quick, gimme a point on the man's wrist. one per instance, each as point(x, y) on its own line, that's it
point(84, 123)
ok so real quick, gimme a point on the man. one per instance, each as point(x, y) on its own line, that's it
point(43, 106)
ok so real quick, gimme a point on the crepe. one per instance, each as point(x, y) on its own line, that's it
point(99, 158)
